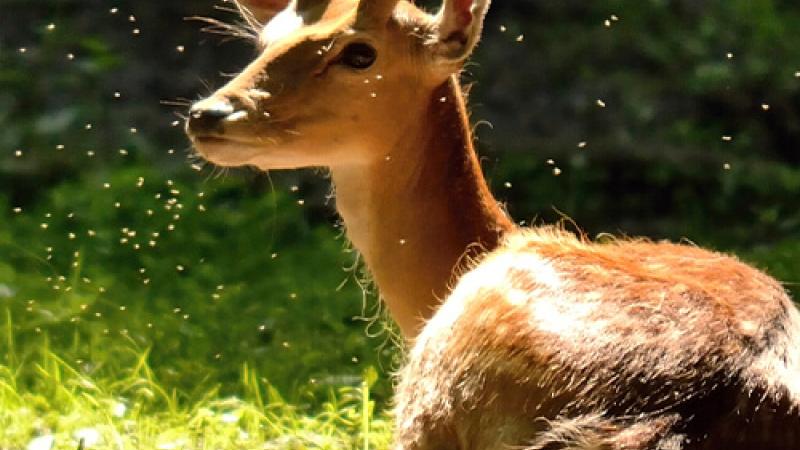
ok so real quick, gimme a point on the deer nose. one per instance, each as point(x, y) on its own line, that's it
point(206, 116)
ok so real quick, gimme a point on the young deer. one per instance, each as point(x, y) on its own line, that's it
point(543, 340)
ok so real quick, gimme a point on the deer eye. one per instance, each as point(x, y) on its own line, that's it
point(358, 56)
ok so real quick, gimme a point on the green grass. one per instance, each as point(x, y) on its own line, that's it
point(237, 328)
point(60, 406)
point(208, 276)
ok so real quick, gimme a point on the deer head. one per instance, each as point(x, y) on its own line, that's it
point(334, 80)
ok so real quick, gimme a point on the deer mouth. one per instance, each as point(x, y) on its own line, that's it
point(225, 151)
point(220, 140)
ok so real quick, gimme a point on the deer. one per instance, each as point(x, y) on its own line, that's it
point(529, 338)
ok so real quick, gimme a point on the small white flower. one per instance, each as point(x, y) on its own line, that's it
point(178, 443)
point(119, 409)
point(41, 443)
point(229, 418)
point(89, 436)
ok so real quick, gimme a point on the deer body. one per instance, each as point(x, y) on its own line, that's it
point(628, 344)
point(529, 339)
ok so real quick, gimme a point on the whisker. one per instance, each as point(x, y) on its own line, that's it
point(191, 154)
point(227, 9)
point(248, 16)
point(176, 102)
point(207, 85)
point(210, 175)
point(229, 30)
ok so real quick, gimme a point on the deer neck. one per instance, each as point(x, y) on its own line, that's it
point(421, 210)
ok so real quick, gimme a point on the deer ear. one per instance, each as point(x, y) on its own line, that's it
point(261, 11)
point(458, 27)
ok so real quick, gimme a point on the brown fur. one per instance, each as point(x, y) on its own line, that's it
point(532, 339)
point(631, 331)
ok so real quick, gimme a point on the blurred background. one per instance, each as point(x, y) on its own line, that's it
point(672, 119)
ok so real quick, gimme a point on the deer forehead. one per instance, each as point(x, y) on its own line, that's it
point(309, 18)
point(282, 25)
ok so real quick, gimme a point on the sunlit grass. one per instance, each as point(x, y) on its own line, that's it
point(196, 342)
point(204, 299)
point(60, 407)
